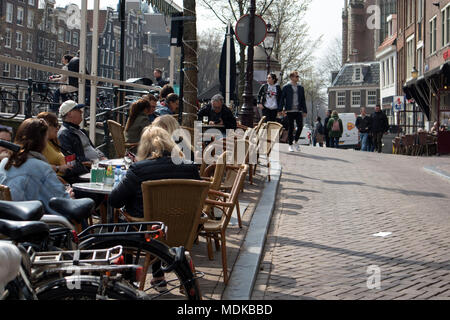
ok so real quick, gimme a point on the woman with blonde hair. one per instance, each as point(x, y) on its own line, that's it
point(154, 163)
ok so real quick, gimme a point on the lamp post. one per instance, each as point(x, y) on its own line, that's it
point(414, 75)
point(268, 44)
point(246, 113)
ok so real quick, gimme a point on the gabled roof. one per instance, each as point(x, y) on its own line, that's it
point(102, 14)
point(370, 71)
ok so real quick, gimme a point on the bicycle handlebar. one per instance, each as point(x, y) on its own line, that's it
point(9, 145)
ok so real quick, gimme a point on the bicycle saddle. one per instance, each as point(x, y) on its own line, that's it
point(21, 210)
point(75, 210)
point(23, 231)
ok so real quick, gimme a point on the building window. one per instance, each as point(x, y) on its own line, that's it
point(9, 13)
point(18, 69)
point(6, 68)
point(392, 73)
point(18, 40)
point(31, 2)
point(8, 38)
point(446, 26)
point(68, 39)
point(28, 70)
point(357, 74)
point(410, 44)
point(341, 96)
point(75, 39)
point(356, 98)
point(420, 61)
point(30, 19)
point(19, 19)
point(371, 97)
point(433, 33)
point(29, 42)
point(61, 34)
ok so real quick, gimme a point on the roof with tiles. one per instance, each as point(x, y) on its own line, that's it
point(370, 75)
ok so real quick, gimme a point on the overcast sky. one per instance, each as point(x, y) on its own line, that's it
point(324, 18)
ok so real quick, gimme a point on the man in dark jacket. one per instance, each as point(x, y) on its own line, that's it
point(364, 125)
point(218, 113)
point(380, 126)
point(157, 73)
point(293, 102)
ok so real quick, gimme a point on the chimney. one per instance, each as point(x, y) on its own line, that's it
point(345, 33)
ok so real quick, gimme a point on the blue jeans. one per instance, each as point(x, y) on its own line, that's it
point(334, 142)
point(365, 142)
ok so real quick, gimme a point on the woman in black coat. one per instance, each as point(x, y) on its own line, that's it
point(269, 98)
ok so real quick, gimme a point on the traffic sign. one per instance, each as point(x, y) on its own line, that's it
point(243, 27)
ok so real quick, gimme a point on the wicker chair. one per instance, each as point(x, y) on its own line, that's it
point(120, 146)
point(5, 193)
point(214, 174)
point(216, 230)
point(267, 141)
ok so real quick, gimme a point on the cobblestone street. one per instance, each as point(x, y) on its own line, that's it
point(330, 205)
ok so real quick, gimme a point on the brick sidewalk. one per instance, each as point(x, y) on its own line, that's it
point(332, 202)
point(212, 285)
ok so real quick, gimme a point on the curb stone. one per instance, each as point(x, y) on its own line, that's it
point(245, 270)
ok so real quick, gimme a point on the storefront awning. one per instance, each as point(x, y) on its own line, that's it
point(417, 89)
point(167, 7)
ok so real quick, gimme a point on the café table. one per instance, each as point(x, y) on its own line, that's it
point(113, 162)
point(97, 188)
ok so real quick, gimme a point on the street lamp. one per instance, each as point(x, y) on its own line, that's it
point(414, 73)
point(269, 44)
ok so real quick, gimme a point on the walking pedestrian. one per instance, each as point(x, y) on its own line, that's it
point(335, 129)
point(380, 126)
point(364, 124)
point(293, 104)
point(318, 132)
point(325, 127)
point(269, 98)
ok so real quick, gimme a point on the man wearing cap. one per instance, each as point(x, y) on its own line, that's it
point(72, 138)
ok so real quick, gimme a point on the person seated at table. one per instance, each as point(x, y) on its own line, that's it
point(137, 120)
point(73, 139)
point(52, 152)
point(435, 128)
point(153, 103)
point(6, 135)
point(170, 106)
point(27, 173)
point(154, 163)
point(218, 113)
point(170, 124)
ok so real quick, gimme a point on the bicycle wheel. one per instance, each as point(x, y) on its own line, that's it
point(179, 276)
point(86, 288)
point(39, 103)
point(9, 104)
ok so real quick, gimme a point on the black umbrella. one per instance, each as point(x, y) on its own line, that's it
point(223, 68)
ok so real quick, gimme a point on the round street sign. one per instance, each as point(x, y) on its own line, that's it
point(243, 27)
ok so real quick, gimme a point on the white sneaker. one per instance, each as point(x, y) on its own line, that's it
point(297, 147)
point(291, 149)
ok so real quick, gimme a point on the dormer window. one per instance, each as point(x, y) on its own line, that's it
point(357, 74)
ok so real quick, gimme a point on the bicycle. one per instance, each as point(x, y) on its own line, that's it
point(9, 104)
point(141, 241)
point(99, 274)
point(42, 100)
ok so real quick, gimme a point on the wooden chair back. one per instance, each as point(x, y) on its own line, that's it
point(178, 203)
point(116, 130)
point(5, 193)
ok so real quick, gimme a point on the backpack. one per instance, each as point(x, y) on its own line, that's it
point(336, 126)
